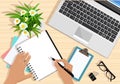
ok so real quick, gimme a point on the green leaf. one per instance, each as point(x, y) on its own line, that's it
point(40, 18)
point(35, 33)
point(16, 30)
point(17, 12)
point(13, 15)
point(20, 32)
point(16, 27)
point(23, 8)
point(27, 6)
point(38, 15)
point(37, 30)
point(37, 9)
point(30, 33)
point(36, 6)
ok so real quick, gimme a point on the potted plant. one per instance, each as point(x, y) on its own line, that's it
point(26, 19)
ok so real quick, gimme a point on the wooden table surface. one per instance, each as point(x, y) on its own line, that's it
point(64, 44)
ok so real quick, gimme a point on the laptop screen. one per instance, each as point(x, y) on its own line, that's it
point(113, 5)
point(115, 2)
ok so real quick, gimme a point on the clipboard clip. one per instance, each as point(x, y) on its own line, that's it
point(84, 51)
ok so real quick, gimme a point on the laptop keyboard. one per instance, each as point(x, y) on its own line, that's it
point(92, 18)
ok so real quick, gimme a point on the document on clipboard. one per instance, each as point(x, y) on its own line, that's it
point(80, 60)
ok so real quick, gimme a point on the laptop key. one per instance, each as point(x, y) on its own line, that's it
point(64, 4)
point(88, 8)
point(60, 10)
point(76, 19)
point(114, 32)
point(67, 14)
point(71, 12)
point(102, 30)
point(74, 5)
point(72, 17)
point(88, 22)
point(78, 7)
point(103, 35)
point(109, 29)
point(119, 26)
point(106, 32)
point(62, 7)
point(100, 33)
point(78, 11)
point(108, 20)
point(75, 1)
point(107, 37)
point(81, 9)
point(86, 25)
point(112, 22)
point(74, 14)
point(113, 36)
point(66, 9)
point(74, 9)
point(69, 6)
point(116, 29)
point(81, 13)
point(78, 16)
point(80, 22)
point(81, 4)
point(111, 39)
point(98, 28)
point(81, 18)
point(85, 20)
point(64, 12)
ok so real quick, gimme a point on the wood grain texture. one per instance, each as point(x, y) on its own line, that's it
point(63, 43)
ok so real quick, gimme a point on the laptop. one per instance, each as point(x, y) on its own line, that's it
point(94, 23)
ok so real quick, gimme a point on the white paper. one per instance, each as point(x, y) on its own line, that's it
point(79, 62)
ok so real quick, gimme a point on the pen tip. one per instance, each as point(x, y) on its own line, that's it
point(52, 58)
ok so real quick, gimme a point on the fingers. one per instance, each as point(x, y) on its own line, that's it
point(64, 61)
point(25, 55)
point(27, 76)
point(66, 64)
point(27, 59)
point(20, 55)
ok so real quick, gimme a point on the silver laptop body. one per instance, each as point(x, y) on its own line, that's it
point(81, 33)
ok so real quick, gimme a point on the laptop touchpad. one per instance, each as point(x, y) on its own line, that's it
point(83, 34)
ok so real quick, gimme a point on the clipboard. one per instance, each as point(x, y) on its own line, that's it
point(80, 60)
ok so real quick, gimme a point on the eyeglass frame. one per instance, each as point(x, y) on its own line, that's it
point(106, 70)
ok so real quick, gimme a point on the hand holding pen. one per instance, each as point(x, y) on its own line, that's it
point(66, 77)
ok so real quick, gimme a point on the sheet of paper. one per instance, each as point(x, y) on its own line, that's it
point(79, 62)
point(15, 38)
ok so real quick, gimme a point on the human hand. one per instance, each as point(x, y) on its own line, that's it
point(16, 72)
point(67, 79)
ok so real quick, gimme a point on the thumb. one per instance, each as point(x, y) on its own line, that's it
point(27, 76)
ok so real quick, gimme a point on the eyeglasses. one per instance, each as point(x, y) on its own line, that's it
point(104, 68)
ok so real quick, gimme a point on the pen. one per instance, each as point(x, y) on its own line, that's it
point(68, 71)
